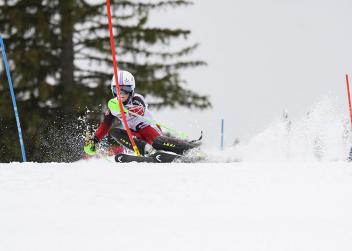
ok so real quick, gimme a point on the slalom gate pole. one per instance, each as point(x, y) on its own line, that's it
point(113, 53)
point(24, 159)
point(349, 98)
point(222, 135)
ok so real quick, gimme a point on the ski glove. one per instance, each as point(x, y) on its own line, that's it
point(114, 107)
point(90, 145)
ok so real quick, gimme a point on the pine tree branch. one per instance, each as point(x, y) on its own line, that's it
point(161, 4)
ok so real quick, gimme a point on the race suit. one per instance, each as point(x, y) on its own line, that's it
point(139, 120)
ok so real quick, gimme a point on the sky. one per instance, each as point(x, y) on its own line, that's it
point(264, 57)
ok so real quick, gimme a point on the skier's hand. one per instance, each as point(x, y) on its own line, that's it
point(90, 145)
point(114, 106)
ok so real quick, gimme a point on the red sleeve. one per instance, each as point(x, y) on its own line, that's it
point(138, 109)
point(104, 126)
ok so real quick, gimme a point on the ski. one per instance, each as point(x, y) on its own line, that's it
point(191, 156)
point(157, 157)
point(197, 142)
point(164, 157)
point(126, 158)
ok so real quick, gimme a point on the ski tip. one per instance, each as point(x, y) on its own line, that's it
point(118, 158)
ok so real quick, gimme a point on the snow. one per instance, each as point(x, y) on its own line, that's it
point(99, 205)
point(288, 188)
point(322, 134)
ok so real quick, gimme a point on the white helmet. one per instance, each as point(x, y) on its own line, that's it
point(126, 83)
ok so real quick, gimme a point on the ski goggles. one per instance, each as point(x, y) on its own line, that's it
point(124, 90)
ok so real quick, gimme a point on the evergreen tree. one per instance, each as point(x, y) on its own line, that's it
point(60, 59)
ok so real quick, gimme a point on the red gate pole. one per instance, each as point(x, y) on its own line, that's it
point(113, 53)
point(349, 98)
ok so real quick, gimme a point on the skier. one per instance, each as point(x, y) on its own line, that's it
point(148, 137)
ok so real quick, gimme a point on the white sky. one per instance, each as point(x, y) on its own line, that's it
point(264, 56)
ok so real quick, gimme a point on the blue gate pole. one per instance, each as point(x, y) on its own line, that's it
point(222, 135)
point(13, 100)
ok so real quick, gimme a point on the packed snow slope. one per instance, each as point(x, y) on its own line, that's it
point(97, 205)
